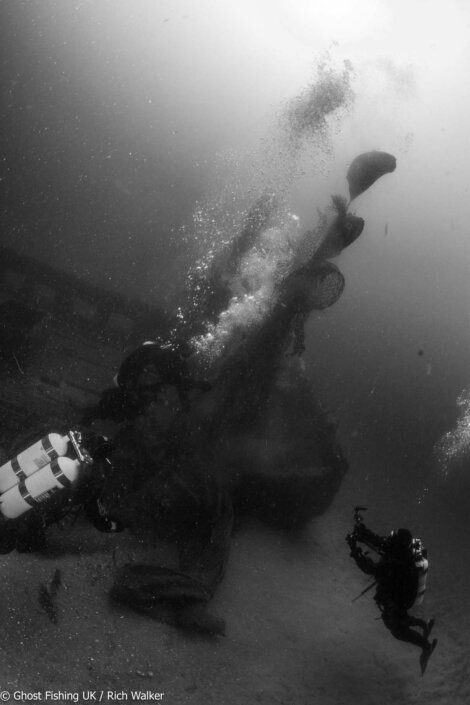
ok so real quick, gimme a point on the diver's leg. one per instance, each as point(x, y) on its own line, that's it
point(426, 655)
point(416, 622)
point(399, 624)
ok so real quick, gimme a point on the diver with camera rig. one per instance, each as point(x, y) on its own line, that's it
point(400, 581)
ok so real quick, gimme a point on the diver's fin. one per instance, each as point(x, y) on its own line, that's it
point(429, 627)
point(426, 655)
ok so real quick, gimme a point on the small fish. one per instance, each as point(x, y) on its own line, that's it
point(56, 582)
point(47, 596)
point(47, 603)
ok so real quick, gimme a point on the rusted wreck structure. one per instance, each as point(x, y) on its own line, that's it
point(61, 341)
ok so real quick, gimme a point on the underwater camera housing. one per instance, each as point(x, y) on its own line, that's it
point(359, 532)
point(355, 535)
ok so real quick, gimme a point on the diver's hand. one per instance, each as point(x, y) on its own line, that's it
point(355, 550)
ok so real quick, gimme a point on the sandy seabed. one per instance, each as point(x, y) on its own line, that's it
point(294, 636)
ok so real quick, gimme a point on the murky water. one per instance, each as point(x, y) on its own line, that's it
point(184, 156)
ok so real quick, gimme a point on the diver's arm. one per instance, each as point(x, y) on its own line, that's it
point(99, 518)
point(366, 564)
point(365, 535)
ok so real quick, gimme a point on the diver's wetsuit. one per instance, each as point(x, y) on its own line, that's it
point(397, 579)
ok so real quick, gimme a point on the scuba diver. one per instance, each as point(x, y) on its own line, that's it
point(57, 475)
point(400, 580)
point(140, 379)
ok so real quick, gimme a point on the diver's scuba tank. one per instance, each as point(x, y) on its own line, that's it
point(42, 470)
point(39, 486)
point(33, 459)
point(422, 565)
